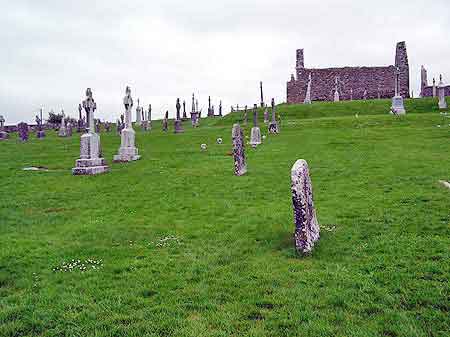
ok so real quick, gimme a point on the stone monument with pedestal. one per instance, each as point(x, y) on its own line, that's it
point(255, 138)
point(178, 125)
point(307, 230)
point(184, 118)
point(3, 134)
point(441, 94)
point(127, 151)
point(273, 125)
point(40, 132)
point(240, 165)
point(91, 161)
point(194, 113)
point(397, 107)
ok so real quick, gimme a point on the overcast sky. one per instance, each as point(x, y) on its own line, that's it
point(52, 50)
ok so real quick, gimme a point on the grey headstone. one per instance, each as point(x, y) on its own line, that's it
point(240, 165)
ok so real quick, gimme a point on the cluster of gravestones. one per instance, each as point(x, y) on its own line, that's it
point(307, 229)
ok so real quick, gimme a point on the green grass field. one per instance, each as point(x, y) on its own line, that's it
point(185, 248)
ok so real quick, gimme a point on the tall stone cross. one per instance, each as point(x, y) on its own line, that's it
point(193, 103)
point(220, 108)
point(2, 122)
point(128, 103)
point(262, 95)
point(149, 116)
point(184, 110)
point(178, 106)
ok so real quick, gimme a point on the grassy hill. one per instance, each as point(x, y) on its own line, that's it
point(181, 247)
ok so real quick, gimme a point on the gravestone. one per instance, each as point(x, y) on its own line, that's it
point(255, 138)
point(336, 90)
point(397, 107)
point(307, 230)
point(441, 93)
point(91, 161)
point(149, 117)
point(62, 132)
point(69, 129)
point(127, 150)
point(273, 125)
point(220, 109)
point(308, 91)
point(266, 115)
point(184, 111)
point(240, 165)
point(210, 111)
point(118, 126)
point(262, 95)
point(40, 134)
point(178, 126)
point(434, 87)
point(194, 113)
point(98, 125)
point(22, 129)
point(107, 126)
point(138, 114)
point(3, 134)
point(165, 122)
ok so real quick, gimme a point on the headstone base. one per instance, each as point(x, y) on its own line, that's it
point(273, 128)
point(178, 126)
point(62, 132)
point(90, 167)
point(126, 154)
point(40, 134)
point(397, 107)
point(4, 135)
point(442, 104)
point(255, 138)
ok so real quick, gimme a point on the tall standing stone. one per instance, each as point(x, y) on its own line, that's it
point(307, 229)
point(22, 129)
point(308, 92)
point(255, 138)
point(165, 122)
point(266, 115)
point(273, 125)
point(220, 109)
point(62, 129)
point(262, 94)
point(3, 134)
point(441, 89)
point(240, 164)
point(434, 87)
point(80, 119)
point(178, 125)
point(397, 107)
point(91, 161)
point(127, 151)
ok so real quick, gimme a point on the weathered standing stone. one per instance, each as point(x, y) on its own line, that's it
point(273, 126)
point(165, 122)
point(3, 134)
point(434, 87)
point(178, 125)
point(262, 94)
point(138, 113)
point(240, 165)
point(149, 117)
point(220, 109)
point(308, 91)
point(127, 151)
point(307, 230)
point(255, 138)
point(441, 89)
point(91, 161)
point(22, 128)
point(184, 118)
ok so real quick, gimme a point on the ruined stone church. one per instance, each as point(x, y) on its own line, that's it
point(351, 83)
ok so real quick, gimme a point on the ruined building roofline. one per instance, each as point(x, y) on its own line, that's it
point(348, 68)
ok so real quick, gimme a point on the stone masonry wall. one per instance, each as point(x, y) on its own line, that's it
point(428, 91)
point(379, 82)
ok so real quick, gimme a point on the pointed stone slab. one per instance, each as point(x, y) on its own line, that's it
point(240, 165)
point(307, 230)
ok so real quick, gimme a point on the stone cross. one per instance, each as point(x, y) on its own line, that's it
point(220, 108)
point(149, 117)
point(2, 122)
point(178, 126)
point(240, 165)
point(184, 110)
point(128, 103)
point(307, 229)
point(193, 103)
point(3, 135)
point(89, 106)
point(178, 106)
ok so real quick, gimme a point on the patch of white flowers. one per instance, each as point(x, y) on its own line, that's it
point(203, 147)
point(79, 265)
point(166, 241)
point(219, 140)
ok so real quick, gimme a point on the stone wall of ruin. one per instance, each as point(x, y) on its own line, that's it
point(428, 91)
point(377, 82)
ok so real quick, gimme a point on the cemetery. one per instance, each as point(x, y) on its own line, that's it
point(315, 219)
